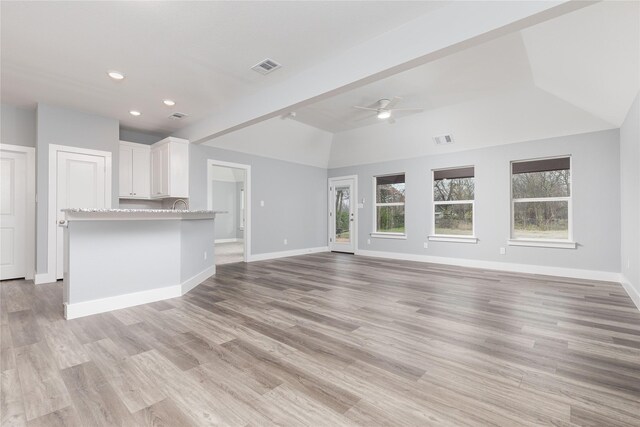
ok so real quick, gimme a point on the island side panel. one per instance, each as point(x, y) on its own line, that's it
point(115, 258)
point(197, 252)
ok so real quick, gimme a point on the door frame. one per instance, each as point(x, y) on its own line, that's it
point(52, 249)
point(355, 204)
point(30, 247)
point(247, 197)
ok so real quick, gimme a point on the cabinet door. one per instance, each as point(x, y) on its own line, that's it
point(141, 174)
point(160, 171)
point(126, 164)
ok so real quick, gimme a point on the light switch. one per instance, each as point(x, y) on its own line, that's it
point(262, 203)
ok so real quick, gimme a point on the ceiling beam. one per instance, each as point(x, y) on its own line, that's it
point(451, 28)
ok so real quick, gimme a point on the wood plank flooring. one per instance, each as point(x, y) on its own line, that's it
point(329, 340)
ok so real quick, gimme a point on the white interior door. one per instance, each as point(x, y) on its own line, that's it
point(13, 214)
point(81, 183)
point(342, 215)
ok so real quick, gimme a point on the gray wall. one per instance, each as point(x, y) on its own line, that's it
point(295, 199)
point(139, 137)
point(18, 126)
point(630, 195)
point(56, 125)
point(596, 198)
point(224, 197)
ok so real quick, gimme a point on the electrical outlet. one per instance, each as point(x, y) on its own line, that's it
point(285, 241)
point(503, 251)
point(368, 241)
point(205, 255)
point(262, 203)
point(426, 245)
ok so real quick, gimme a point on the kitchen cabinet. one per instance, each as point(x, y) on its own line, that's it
point(135, 170)
point(170, 168)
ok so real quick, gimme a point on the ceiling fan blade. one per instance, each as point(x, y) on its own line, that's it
point(393, 102)
point(408, 109)
point(391, 120)
point(365, 108)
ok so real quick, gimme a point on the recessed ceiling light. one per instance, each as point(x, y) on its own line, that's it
point(116, 75)
point(134, 113)
point(169, 102)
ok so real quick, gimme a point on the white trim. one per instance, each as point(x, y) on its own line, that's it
point(284, 254)
point(195, 280)
point(102, 305)
point(400, 236)
point(634, 293)
point(30, 232)
point(54, 149)
point(575, 273)
point(87, 308)
point(354, 207)
point(247, 196)
point(39, 279)
point(233, 240)
point(457, 239)
point(539, 243)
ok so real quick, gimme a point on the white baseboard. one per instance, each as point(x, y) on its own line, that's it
point(194, 281)
point(284, 254)
point(41, 278)
point(633, 291)
point(575, 273)
point(86, 308)
point(234, 240)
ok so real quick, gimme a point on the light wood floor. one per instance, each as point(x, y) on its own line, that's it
point(329, 340)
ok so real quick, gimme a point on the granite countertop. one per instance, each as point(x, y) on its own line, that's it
point(146, 211)
point(93, 214)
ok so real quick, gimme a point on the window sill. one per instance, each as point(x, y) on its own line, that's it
point(562, 244)
point(389, 236)
point(456, 239)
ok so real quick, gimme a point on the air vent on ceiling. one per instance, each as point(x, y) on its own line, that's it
point(266, 66)
point(443, 139)
point(177, 116)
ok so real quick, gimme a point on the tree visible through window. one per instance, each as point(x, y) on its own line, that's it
point(541, 195)
point(453, 200)
point(390, 204)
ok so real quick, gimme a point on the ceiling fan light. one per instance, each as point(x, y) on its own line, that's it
point(384, 114)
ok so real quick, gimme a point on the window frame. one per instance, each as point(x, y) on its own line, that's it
point(435, 237)
point(567, 243)
point(386, 234)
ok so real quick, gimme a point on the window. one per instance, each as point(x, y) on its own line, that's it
point(389, 205)
point(541, 201)
point(453, 203)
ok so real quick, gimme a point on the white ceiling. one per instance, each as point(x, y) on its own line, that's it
point(227, 174)
point(199, 56)
point(588, 58)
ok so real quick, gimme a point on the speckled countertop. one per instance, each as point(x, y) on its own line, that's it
point(146, 211)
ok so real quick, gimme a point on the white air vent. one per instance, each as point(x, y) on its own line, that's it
point(177, 116)
point(443, 139)
point(266, 66)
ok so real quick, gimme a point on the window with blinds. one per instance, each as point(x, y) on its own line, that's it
point(541, 199)
point(453, 201)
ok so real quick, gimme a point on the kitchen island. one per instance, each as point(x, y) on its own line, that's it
point(117, 258)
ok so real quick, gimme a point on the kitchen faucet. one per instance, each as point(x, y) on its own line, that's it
point(186, 206)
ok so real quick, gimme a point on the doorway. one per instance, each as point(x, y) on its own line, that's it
point(78, 178)
point(17, 212)
point(228, 186)
point(343, 214)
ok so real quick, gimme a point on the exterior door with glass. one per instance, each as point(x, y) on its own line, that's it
point(342, 214)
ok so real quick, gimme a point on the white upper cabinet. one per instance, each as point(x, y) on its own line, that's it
point(135, 174)
point(170, 168)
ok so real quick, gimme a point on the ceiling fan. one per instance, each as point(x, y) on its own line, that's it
point(384, 108)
